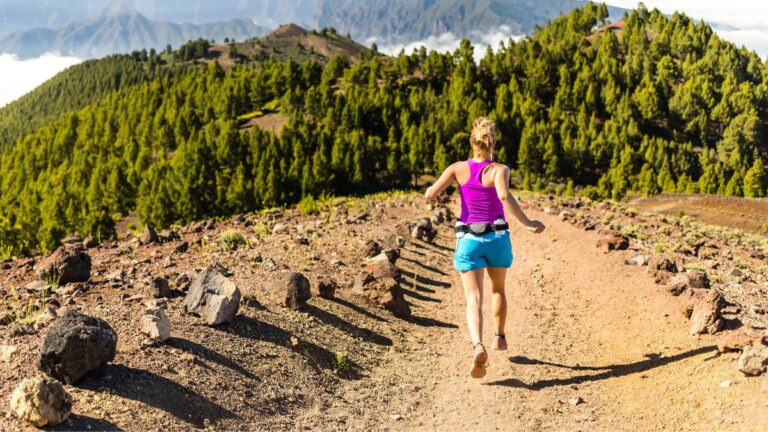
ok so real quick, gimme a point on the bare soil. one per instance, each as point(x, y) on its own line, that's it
point(581, 324)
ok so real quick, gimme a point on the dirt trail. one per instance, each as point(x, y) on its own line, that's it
point(580, 324)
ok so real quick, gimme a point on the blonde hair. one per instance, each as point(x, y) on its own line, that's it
point(483, 137)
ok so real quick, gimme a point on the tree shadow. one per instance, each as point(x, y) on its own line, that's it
point(434, 250)
point(347, 327)
point(610, 371)
point(79, 422)
point(319, 357)
point(359, 309)
point(156, 391)
point(210, 355)
point(438, 246)
point(430, 322)
point(425, 266)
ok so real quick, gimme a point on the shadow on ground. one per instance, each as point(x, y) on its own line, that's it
point(156, 391)
point(611, 371)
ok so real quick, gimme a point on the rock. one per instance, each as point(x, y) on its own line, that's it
point(660, 264)
point(613, 240)
point(726, 383)
point(149, 235)
point(155, 324)
point(65, 266)
point(380, 266)
point(41, 402)
point(325, 288)
point(6, 351)
point(157, 288)
point(181, 247)
point(423, 230)
point(677, 284)
point(576, 401)
point(705, 317)
point(372, 248)
point(637, 260)
point(698, 279)
point(168, 235)
point(90, 242)
point(280, 228)
point(37, 286)
point(212, 296)
point(392, 254)
point(442, 215)
point(290, 289)
point(76, 344)
point(753, 359)
point(663, 277)
point(302, 240)
point(270, 264)
point(384, 292)
point(736, 340)
point(182, 282)
point(552, 210)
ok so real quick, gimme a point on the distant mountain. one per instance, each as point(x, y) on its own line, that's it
point(400, 21)
point(120, 31)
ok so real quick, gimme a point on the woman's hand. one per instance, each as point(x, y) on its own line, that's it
point(430, 195)
point(535, 226)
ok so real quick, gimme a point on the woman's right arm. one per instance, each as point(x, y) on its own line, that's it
point(501, 181)
point(445, 180)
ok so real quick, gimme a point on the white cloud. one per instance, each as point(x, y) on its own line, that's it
point(449, 42)
point(744, 22)
point(18, 77)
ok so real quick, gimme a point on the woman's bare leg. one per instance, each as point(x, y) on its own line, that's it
point(499, 297)
point(473, 289)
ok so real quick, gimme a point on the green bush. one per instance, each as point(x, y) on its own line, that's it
point(308, 206)
point(231, 240)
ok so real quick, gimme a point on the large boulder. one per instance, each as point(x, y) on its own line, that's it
point(660, 264)
point(41, 402)
point(76, 344)
point(736, 340)
point(698, 279)
point(290, 289)
point(385, 292)
point(65, 266)
point(155, 323)
point(677, 284)
point(213, 296)
point(705, 317)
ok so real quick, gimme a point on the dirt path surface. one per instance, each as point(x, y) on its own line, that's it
point(581, 325)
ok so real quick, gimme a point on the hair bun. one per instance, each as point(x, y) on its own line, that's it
point(483, 136)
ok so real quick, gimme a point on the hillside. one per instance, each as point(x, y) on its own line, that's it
point(616, 114)
point(596, 344)
point(120, 31)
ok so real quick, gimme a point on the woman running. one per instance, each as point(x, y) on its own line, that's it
point(483, 234)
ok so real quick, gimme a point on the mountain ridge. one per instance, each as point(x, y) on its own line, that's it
point(110, 33)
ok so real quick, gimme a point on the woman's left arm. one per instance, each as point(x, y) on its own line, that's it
point(445, 180)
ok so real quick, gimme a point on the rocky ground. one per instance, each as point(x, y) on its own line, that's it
point(610, 319)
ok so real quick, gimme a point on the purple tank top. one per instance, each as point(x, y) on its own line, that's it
point(479, 204)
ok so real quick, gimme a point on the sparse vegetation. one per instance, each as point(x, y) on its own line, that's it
point(231, 240)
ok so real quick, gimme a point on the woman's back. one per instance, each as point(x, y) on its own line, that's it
point(479, 203)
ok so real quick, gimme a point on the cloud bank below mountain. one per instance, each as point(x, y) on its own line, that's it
point(22, 76)
point(449, 42)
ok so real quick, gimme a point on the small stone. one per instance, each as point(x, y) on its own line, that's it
point(155, 324)
point(65, 266)
point(41, 402)
point(697, 279)
point(736, 340)
point(290, 289)
point(380, 266)
point(213, 296)
point(149, 235)
point(726, 383)
point(181, 247)
point(705, 317)
point(294, 341)
point(372, 248)
point(396, 417)
point(576, 401)
point(677, 284)
point(90, 242)
point(6, 351)
point(637, 260)
point(280, 228)
point(157, 288)
point(753, 359)
point(613, 240)
point(326, 288)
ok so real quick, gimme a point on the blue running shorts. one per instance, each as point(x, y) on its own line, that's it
point(479, 251)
